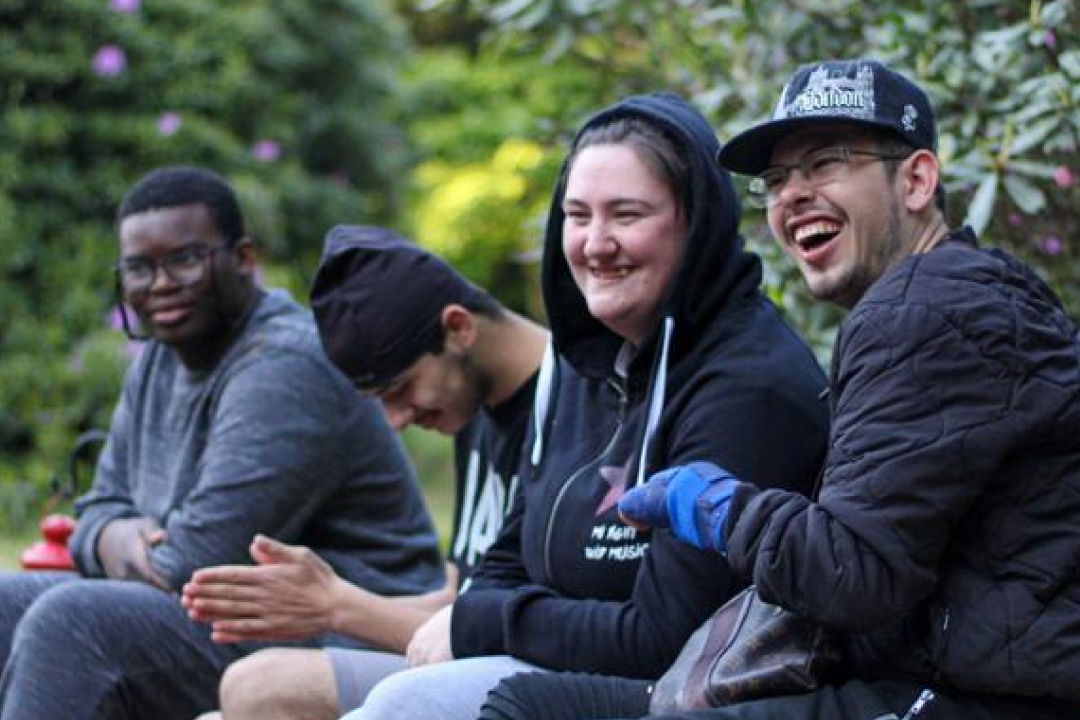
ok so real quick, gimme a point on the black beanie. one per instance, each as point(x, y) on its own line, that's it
point(378, 302)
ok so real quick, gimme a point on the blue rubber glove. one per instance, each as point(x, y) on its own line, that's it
point(691, 499)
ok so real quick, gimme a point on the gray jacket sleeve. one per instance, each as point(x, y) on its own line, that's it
point(271, 457)
point(269, 464)
point(111, 498)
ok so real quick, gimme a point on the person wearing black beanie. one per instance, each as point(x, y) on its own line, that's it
point(438, 352)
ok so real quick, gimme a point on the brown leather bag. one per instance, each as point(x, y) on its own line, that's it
point(748, 649)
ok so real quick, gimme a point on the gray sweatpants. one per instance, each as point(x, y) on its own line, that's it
point(83, 649)
point(452, 690)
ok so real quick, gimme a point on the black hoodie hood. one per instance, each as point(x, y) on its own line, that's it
point(713, 267)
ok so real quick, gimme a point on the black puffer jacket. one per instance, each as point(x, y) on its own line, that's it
point(568, 585)
point(947, 535)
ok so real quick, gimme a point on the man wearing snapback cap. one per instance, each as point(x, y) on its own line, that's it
point(946, 536)
point(440, 353)
point(944, 542)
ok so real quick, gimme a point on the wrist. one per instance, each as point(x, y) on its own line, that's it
point(336, 609)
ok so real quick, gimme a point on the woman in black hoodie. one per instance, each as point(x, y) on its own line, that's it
point(665, 351)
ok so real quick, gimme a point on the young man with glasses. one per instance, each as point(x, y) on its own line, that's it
point(232, 423)
point(943, 544)
point(945, 539)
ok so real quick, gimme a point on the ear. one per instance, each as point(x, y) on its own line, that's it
point(246, 257)
point(921, 173)
point(459, 326)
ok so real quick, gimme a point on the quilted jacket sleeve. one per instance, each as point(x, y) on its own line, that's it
point(923, 415)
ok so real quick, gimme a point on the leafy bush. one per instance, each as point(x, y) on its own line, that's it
point(1004, 76)
point(291, 101)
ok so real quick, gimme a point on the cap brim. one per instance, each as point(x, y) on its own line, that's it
point(750, 152)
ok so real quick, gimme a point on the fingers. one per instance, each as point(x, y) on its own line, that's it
point(646, 505)
point(227, 575)
point(251, 629)
point(266, 550)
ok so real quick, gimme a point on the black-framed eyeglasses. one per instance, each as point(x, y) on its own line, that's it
point(819, 167)
point(185, 267)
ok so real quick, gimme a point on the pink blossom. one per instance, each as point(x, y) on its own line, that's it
point(1015, 219)
point(1050, 39)
point(1051, 245)
point(169, 123)
point(266, 151)
point(114, 320)
point(1063, 176)
point(124, 6)
point(109, 61)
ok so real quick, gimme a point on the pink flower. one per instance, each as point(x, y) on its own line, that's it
point(109, 61)
point(124, 6)
point(168, 123)
point(116, 322)
point(1051, 245)
point(1015, 219)
point(1050, 39)
point(266, 151)
point(1063, 176)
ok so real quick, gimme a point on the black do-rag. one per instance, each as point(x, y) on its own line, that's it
point(378, 302)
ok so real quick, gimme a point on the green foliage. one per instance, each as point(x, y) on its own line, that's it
point(1004, 76)
point(291, 101)
point(487, 133)
point(432, 455)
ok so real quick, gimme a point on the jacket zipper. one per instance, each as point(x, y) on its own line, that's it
point(943, 645)
point(617, 386)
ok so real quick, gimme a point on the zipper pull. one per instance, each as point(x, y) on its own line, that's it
point(919, 705)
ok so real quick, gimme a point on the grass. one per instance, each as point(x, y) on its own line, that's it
point(11, 546)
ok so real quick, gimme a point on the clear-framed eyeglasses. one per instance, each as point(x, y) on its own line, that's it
point(819, 167)
point(185, 267)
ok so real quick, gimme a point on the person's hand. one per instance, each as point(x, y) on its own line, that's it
point(288, 595)
point(123, 548)
point(691, 499)
point(431, 641)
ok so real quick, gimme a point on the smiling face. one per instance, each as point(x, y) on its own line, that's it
point(187, 317)
point(441, 392)
point(844, 234)
point(623, 237)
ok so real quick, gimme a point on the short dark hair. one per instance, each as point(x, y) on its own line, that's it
point(662, 153)
point(889, 143)
point(179, 185)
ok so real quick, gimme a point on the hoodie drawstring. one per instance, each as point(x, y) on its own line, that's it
point(656, 399)
point(545, 382)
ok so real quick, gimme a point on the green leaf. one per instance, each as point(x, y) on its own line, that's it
point(1025, 194)
point(1041, 170)
point(1070, 63)
point(1033, 135)
point(982, 205)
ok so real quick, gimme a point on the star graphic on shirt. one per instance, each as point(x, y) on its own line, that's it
point(615, 477)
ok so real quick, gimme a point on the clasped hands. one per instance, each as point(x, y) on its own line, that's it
point(692, 500)
point(289, 594)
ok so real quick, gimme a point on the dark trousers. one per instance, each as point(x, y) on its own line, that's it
point(576, 696)
point(94, 649)
point(78, 649)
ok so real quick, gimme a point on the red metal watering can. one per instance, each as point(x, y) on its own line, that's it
point(51, 553)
